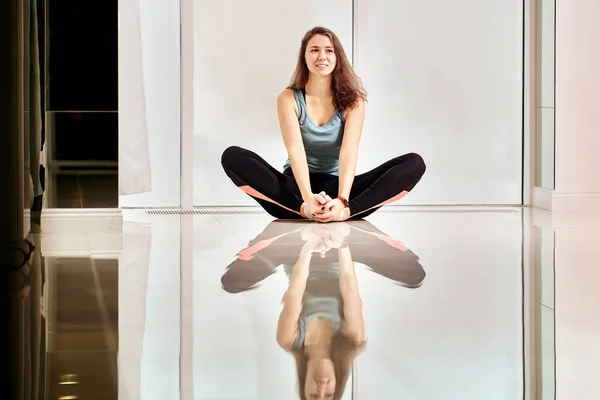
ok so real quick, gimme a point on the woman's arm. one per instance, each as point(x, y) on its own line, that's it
point(349, 152)
point(290, 130)
point(354, 326)
point(287, 326)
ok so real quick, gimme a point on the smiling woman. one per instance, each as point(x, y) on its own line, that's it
point(321, 116)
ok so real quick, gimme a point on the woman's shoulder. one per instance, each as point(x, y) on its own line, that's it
point(358, 107)
point(287, 94)
point(287, 98)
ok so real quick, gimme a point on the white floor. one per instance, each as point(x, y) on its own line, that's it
point(458, 304)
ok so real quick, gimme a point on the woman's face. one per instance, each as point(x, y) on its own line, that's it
point(320, 55)
point(320, 379)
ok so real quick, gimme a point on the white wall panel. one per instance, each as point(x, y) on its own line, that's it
point(577, 93)
point(445, 81)
point(244, 56)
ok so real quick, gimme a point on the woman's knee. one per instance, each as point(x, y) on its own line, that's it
point(230, 155)
point(416, 162)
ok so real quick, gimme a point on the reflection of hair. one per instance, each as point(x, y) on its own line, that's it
point(347, 87)
point(343, 352)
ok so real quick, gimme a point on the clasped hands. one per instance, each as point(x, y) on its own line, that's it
point(322, 208)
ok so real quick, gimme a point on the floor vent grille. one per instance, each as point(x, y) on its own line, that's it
point(205, 212)
point(383, 210)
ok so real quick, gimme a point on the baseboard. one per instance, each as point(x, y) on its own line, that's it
point(81, 220)
point(542, 198)
point(91, 245)
point(575, 202)
point(556, 210)
point(540, 218)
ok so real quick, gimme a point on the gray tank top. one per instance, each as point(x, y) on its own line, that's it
point(321, 143)
point(322, 299)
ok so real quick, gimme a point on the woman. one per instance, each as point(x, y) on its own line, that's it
point(321, 117)
point(321, 323)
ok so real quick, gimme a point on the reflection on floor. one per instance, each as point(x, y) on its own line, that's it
point(451, 304)
point(82, 189)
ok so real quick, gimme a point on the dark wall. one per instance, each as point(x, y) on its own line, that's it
point(82, 78)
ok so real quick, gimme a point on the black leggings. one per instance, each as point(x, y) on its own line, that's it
point(368, 192)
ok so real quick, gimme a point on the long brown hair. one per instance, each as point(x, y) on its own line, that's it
point(343, 353)
point(346, 85)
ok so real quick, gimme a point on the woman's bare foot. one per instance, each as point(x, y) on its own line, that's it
point(304, 212)
point(344, 215)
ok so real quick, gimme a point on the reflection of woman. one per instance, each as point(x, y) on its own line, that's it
point(321, 322)
point(281, 242)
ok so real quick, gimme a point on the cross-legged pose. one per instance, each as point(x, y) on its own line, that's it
point(321, 117)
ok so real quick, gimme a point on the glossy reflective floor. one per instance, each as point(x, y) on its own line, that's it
point(453, 304)
point(82, 189)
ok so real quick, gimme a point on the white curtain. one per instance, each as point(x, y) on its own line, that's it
point(134, 266)
point(134, 150)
